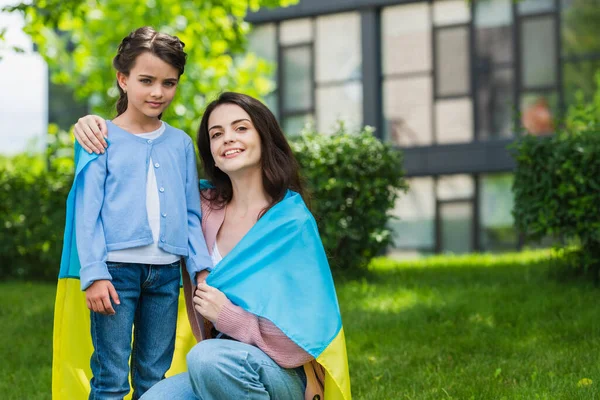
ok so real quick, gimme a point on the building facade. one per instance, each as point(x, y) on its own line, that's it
point(449, 82)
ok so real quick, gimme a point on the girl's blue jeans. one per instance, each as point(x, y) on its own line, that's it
point(149, 295)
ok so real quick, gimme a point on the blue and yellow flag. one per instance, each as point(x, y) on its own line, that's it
point(274, 272)
point(279, 271)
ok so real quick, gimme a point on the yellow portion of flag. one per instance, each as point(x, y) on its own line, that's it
point(337, 376)
point(73, 348)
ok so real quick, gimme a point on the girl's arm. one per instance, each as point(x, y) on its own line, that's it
point(90, 131)
point(198, 258)
point(89, 229)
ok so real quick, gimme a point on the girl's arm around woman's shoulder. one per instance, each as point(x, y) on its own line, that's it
point(91, 131)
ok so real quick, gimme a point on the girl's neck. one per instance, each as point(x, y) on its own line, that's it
point(136, 123)
point(249, 193)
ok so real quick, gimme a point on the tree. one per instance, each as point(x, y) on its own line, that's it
point(78, 39)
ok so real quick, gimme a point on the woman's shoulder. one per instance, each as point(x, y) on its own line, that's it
point(208, 195)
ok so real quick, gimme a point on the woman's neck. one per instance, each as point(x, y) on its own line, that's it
point(249, 195)
point(136, 123)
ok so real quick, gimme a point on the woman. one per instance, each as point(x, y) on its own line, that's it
point(270, 295)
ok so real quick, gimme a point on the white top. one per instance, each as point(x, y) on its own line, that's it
point(216, 256)
point(150, 254)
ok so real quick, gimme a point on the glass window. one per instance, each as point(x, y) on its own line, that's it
point(456, 227)
point(297, 79)
point(406, 39)
point(580, 30)
point(293, 125)
point(271, 101)
point(535, 6)
point(452, 61)
point(416, 209)
point(297, 31)
point(538, 52)
point(407, 111)
point(338, 47)
point(262, 41)
point(497, 231)
point(538, 111)
point(493, 20)
point(495, 103)
point(451, 12)
point(454, 120)
point(452, 187)
point(339, 103)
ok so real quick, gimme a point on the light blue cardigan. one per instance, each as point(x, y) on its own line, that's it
point(110, 201)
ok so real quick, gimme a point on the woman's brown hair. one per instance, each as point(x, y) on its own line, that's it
point(280, 170)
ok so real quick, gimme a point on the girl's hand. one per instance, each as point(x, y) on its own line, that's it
point(90, 131)
point(209, 301)
point(98, 295)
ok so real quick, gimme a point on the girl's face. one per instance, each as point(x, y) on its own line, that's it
point(234, 141)
point(150, 86)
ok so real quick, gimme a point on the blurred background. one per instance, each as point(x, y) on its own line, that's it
point(450, 82)
point(446, 143)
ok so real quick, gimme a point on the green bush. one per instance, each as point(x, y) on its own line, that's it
point(353, 179)
point(557, 183)
point(32, 210)
point(353, 182)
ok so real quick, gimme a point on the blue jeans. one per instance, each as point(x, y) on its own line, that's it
point(149, 295)
point(221, 369)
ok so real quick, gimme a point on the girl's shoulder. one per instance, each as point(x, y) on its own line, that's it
point(175, 132)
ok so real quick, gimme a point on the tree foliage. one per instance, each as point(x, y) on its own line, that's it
point(79, 38)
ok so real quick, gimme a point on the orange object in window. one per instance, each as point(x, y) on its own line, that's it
point(537, 118)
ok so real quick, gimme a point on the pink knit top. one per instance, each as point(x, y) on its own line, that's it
point(247, 327)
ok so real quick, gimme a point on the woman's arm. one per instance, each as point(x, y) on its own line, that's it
point(90, 131)
point(248, 328)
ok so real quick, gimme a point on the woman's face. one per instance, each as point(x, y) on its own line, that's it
point(234, 141)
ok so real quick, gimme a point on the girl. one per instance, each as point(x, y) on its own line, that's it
point(137, 212)
point(277, 330)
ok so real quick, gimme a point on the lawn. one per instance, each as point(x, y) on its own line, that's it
point(475, 327)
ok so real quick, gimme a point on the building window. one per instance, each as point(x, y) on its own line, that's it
point(407, 82)
point(262, 41)
point(296, 47)
point(338, 71)
point(455, 213)
point(493, 68)
point(496, 231)
point(414, 227)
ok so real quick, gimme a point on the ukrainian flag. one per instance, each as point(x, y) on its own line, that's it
point(279, 271)
point(274, 272)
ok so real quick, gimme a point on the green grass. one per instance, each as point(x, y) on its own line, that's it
point(26, 315)
point(475, 327)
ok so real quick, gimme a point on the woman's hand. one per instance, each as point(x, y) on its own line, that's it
point(209, 301)
point(90, 131)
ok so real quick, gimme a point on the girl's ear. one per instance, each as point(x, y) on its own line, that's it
point(122, 80)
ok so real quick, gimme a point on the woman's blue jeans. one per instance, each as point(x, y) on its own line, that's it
point(220, 369)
